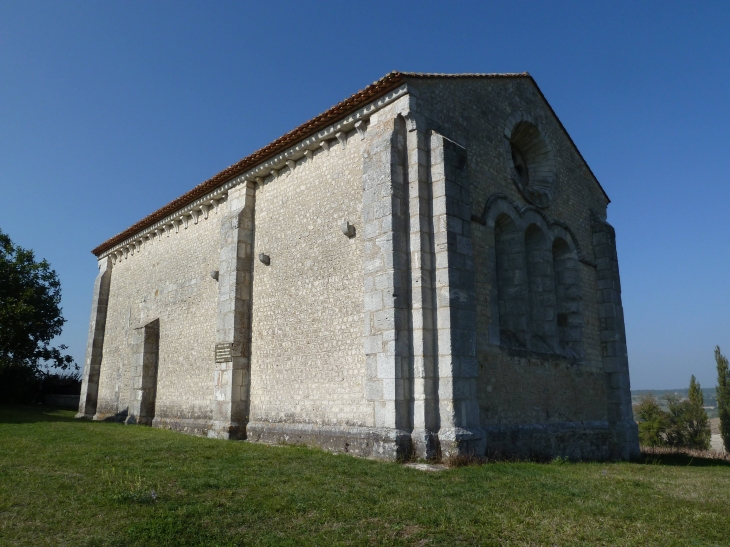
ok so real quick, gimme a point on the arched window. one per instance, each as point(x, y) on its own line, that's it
point(533, 162)
point(512, 291)
point(568, 299)
point(543, 320)
point(534, 296)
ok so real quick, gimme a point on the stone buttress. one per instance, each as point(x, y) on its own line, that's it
point(231, 381)
point(95, 343)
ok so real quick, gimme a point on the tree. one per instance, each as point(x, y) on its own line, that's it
point(676, 433)
point(653, 421)
point(30, 315)
point(697, 422)
point(696, 397)
point(685, 425)
point(723, 396)
point(688, 426)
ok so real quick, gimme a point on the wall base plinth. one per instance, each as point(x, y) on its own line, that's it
point(625, 441)
point(369, 442)
point(191, 426)
point(226, 430)
point(594, 440)
point(425, 444)
point(459, 441)
point(137, 420)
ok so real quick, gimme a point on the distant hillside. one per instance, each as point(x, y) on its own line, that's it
point(709, 393)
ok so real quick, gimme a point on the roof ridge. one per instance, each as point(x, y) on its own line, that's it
point(465, 74)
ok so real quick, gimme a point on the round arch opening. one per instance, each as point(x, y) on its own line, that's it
point(533, 163)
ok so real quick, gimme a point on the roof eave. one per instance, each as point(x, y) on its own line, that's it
point(371, 93)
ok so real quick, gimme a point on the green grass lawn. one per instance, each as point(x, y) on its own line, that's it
point(70, 482)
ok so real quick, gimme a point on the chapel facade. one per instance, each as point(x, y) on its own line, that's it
point(423, 270)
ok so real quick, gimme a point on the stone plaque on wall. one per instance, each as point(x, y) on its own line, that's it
point(223, 353)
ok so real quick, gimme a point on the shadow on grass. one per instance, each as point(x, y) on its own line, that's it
point(682, 460)
point(24, 414)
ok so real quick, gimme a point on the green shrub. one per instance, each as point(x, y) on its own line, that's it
point(653, 421)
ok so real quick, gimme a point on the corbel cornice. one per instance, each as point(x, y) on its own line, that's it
point(337, 131)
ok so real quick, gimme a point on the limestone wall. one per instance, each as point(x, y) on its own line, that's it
point(307, 361)
point(168, 279)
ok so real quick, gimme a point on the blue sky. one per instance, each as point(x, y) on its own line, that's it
point(109, 110)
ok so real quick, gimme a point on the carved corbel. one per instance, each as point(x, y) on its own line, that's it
point(206, 209)
point(342, 138)
point(291, 164)
point(195, 213)
point(274, 172)
point(325, 146)
point(308, 154)
point(360, 125)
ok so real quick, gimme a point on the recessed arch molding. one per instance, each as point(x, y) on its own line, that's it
point(499, 204)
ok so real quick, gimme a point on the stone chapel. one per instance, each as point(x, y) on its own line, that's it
point(425, 269)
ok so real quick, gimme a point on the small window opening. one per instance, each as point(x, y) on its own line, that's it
point(520, 166)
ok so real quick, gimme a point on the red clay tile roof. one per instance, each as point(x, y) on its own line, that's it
point(370, 93)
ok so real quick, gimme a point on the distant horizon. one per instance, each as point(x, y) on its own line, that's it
point(713, 388)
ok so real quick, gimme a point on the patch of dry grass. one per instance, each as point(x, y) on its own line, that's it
point(664, 451)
